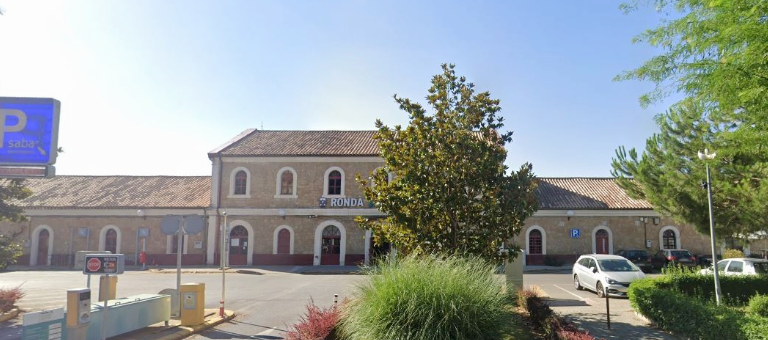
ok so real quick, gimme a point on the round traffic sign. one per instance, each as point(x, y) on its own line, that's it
point(94, 264)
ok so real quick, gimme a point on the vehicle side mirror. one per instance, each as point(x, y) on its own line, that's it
point(594, 270)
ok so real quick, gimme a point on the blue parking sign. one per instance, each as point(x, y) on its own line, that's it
point(575, 233)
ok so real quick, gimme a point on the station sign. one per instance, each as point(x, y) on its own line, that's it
point(104, 264)
point(29, 131)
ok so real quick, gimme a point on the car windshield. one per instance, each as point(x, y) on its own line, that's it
point(617, 266)
point(636, 253)
point(761, 267)
point(678, 253)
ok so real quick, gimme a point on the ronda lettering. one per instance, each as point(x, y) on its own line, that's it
point(347, 202)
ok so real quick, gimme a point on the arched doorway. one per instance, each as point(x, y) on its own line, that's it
point(42, 248)
point(331, 246)
point(670, 240)
point(284, 241)
point(602, 242)
point(110, 241)
point(238, 246)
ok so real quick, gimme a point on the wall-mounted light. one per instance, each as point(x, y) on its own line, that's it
point(281, 212)
point(656, 221)
point(141, 214)
point(311, 216)
point(569, 213)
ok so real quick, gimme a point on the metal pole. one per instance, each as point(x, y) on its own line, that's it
point(221, 263)
point(179, 245)
point(607, 307)
point(144, 249)
point(718, 292)
point(104, 316)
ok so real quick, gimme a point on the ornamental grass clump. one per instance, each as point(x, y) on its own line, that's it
point(428, 297)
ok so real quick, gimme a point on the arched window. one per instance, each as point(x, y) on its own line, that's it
point(241, 182)
point(110, 241)
point(286, 183)
point(535, 245)
point(334, 183)
point(670, 239)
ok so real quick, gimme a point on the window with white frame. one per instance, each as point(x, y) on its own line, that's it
point(240, 182)
point(334, 182)
point(286, 183)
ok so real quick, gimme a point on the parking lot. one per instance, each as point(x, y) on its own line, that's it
point(584, 308)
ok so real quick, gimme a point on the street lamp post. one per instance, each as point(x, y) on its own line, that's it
point(704, 156)
point(221, 262)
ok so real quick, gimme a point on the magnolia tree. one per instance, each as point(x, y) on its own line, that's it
point(445, 187)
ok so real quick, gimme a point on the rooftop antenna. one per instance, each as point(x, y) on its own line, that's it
point(262, 125)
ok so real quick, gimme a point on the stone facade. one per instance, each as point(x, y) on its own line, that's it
point(268, 226)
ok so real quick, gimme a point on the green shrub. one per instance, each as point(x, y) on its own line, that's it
point(427, 297)
point(758, 305)
point(736, 289)
point(682, 314)
point(732, 253)
point(756, 327)
point(10, 251)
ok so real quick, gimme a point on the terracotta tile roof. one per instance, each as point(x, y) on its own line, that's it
point(301, 143)
point(110, 192)
point(580, 193)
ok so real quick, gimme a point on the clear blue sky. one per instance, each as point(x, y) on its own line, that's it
point(149, 87)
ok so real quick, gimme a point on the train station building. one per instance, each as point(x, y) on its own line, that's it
point(290, 198)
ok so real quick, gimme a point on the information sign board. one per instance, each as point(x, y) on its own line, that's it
point(47, 324)
point(29, 129)
point(101, 264)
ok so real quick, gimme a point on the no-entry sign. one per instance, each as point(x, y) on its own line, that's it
point(102, 264)
point(94, 264)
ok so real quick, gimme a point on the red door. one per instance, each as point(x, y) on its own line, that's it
point(331, 247)
point(601, 242)
point(238, 246)
point(42, 248)
point(284, 242)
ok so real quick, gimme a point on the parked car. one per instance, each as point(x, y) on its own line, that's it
point(639, 257)
point(611, 274)
point(664, 257)
point(740, 266)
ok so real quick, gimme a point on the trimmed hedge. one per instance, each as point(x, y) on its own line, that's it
point(737, 290)
point(680, 310)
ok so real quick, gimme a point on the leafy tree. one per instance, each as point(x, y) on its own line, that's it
point(449, 191)
point(669, 174)
point(715, 52)
point(11, 191)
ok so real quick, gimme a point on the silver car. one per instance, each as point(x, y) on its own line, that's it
point(605, 274)
point(740, 266)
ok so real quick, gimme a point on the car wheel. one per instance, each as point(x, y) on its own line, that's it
point(599, 289)
point(576, 283)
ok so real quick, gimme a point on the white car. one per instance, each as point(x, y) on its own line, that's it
point(603, 274)
point(739, 266)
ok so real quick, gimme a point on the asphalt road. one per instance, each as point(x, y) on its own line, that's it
point(267, 302)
